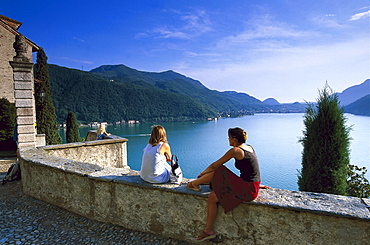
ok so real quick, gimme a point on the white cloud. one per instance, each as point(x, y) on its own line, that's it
point(170, 32)
point(292, 74)
point(80, 40)
point(74, 60)
point(360, 15)
point(265, 34)
point(192, 24)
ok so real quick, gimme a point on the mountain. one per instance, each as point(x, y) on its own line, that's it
point(354, 93)
point(271, 101)
point(359, 107)
point(94, 98)
point(179, 84)
point(116, 92)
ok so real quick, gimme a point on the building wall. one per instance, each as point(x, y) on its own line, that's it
point(7, 53)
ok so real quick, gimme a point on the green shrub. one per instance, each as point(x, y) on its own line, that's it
point(325, 156)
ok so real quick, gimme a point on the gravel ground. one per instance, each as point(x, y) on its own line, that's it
point(25, 220)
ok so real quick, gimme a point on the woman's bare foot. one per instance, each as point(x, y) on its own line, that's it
point(206, 236)
point(190, 186)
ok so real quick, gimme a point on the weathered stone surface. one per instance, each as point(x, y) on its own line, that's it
point(23, 85)
point(91, 135)
point(25, 111)
point(24, 103)
point(316, 202)
point(23, 77)
point(105, 153)
point(7, 52)
point(25, 129)
point(23, 94)
point(122, 197)
point(26, 145)
point(24, 120)
point(40, 140)
point(30, 137)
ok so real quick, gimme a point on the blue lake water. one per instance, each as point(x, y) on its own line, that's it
point(273, 136)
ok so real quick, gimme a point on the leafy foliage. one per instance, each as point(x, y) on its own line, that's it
point(325, 143)
point(7, 122)
point(72, 133)
point(45, 111)
point(358, 185)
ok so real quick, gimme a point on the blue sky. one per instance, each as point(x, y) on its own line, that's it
point(275, 48)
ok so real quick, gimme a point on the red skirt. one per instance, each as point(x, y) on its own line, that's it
point(231, 190)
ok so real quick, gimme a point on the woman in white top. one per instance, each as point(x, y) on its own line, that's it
point(101, 132)
point(154, 166)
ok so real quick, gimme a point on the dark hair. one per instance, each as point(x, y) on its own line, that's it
point(158, 135)
point(239, 134)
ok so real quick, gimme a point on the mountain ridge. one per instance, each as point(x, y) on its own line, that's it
point(115, 93)
point(354, 93)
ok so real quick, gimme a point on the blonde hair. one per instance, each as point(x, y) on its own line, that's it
point(158, 135)
point(101, 129)
point(239, 134)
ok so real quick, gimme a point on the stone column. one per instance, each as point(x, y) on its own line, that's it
point(23, 93)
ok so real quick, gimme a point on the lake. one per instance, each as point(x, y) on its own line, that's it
point(273, 136)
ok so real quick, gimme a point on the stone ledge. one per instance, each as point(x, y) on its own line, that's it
point(86, 143)
point(120, 196)
point(328, 204)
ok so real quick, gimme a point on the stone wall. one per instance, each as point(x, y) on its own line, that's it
point(57, 175)
point(104, 153)
point(7, 52)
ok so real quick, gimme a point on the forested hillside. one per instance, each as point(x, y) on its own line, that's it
point(116, 92)
point(179, 84)
point(93, 98)
point(359, 107)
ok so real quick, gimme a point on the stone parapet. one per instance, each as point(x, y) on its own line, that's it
point(97, 190)
point(23, 93)
point(105, 153)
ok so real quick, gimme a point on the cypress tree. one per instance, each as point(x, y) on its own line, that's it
point(325, 157)
point(45, 111)
point(72, 134)
point(7, 123)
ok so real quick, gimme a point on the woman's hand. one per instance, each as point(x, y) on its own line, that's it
point(265, 187)
point(200, 175)
point(168, 159)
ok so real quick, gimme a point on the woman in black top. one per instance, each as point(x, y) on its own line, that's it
point(229, 189)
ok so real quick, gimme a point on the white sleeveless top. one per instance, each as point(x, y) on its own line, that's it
point(154, 168)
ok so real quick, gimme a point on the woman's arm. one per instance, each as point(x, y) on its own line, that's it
point(166, 151)
point(225, 158)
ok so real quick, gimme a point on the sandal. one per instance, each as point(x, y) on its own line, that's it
point(205, 236)
point(190, 186)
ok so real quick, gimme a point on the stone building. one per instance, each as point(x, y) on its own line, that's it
point(16, 79)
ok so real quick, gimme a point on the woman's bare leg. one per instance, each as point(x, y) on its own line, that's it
point(211, 212)
point(202, 180)
point(211, 215)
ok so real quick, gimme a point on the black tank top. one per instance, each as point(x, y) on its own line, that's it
point(249, 167)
